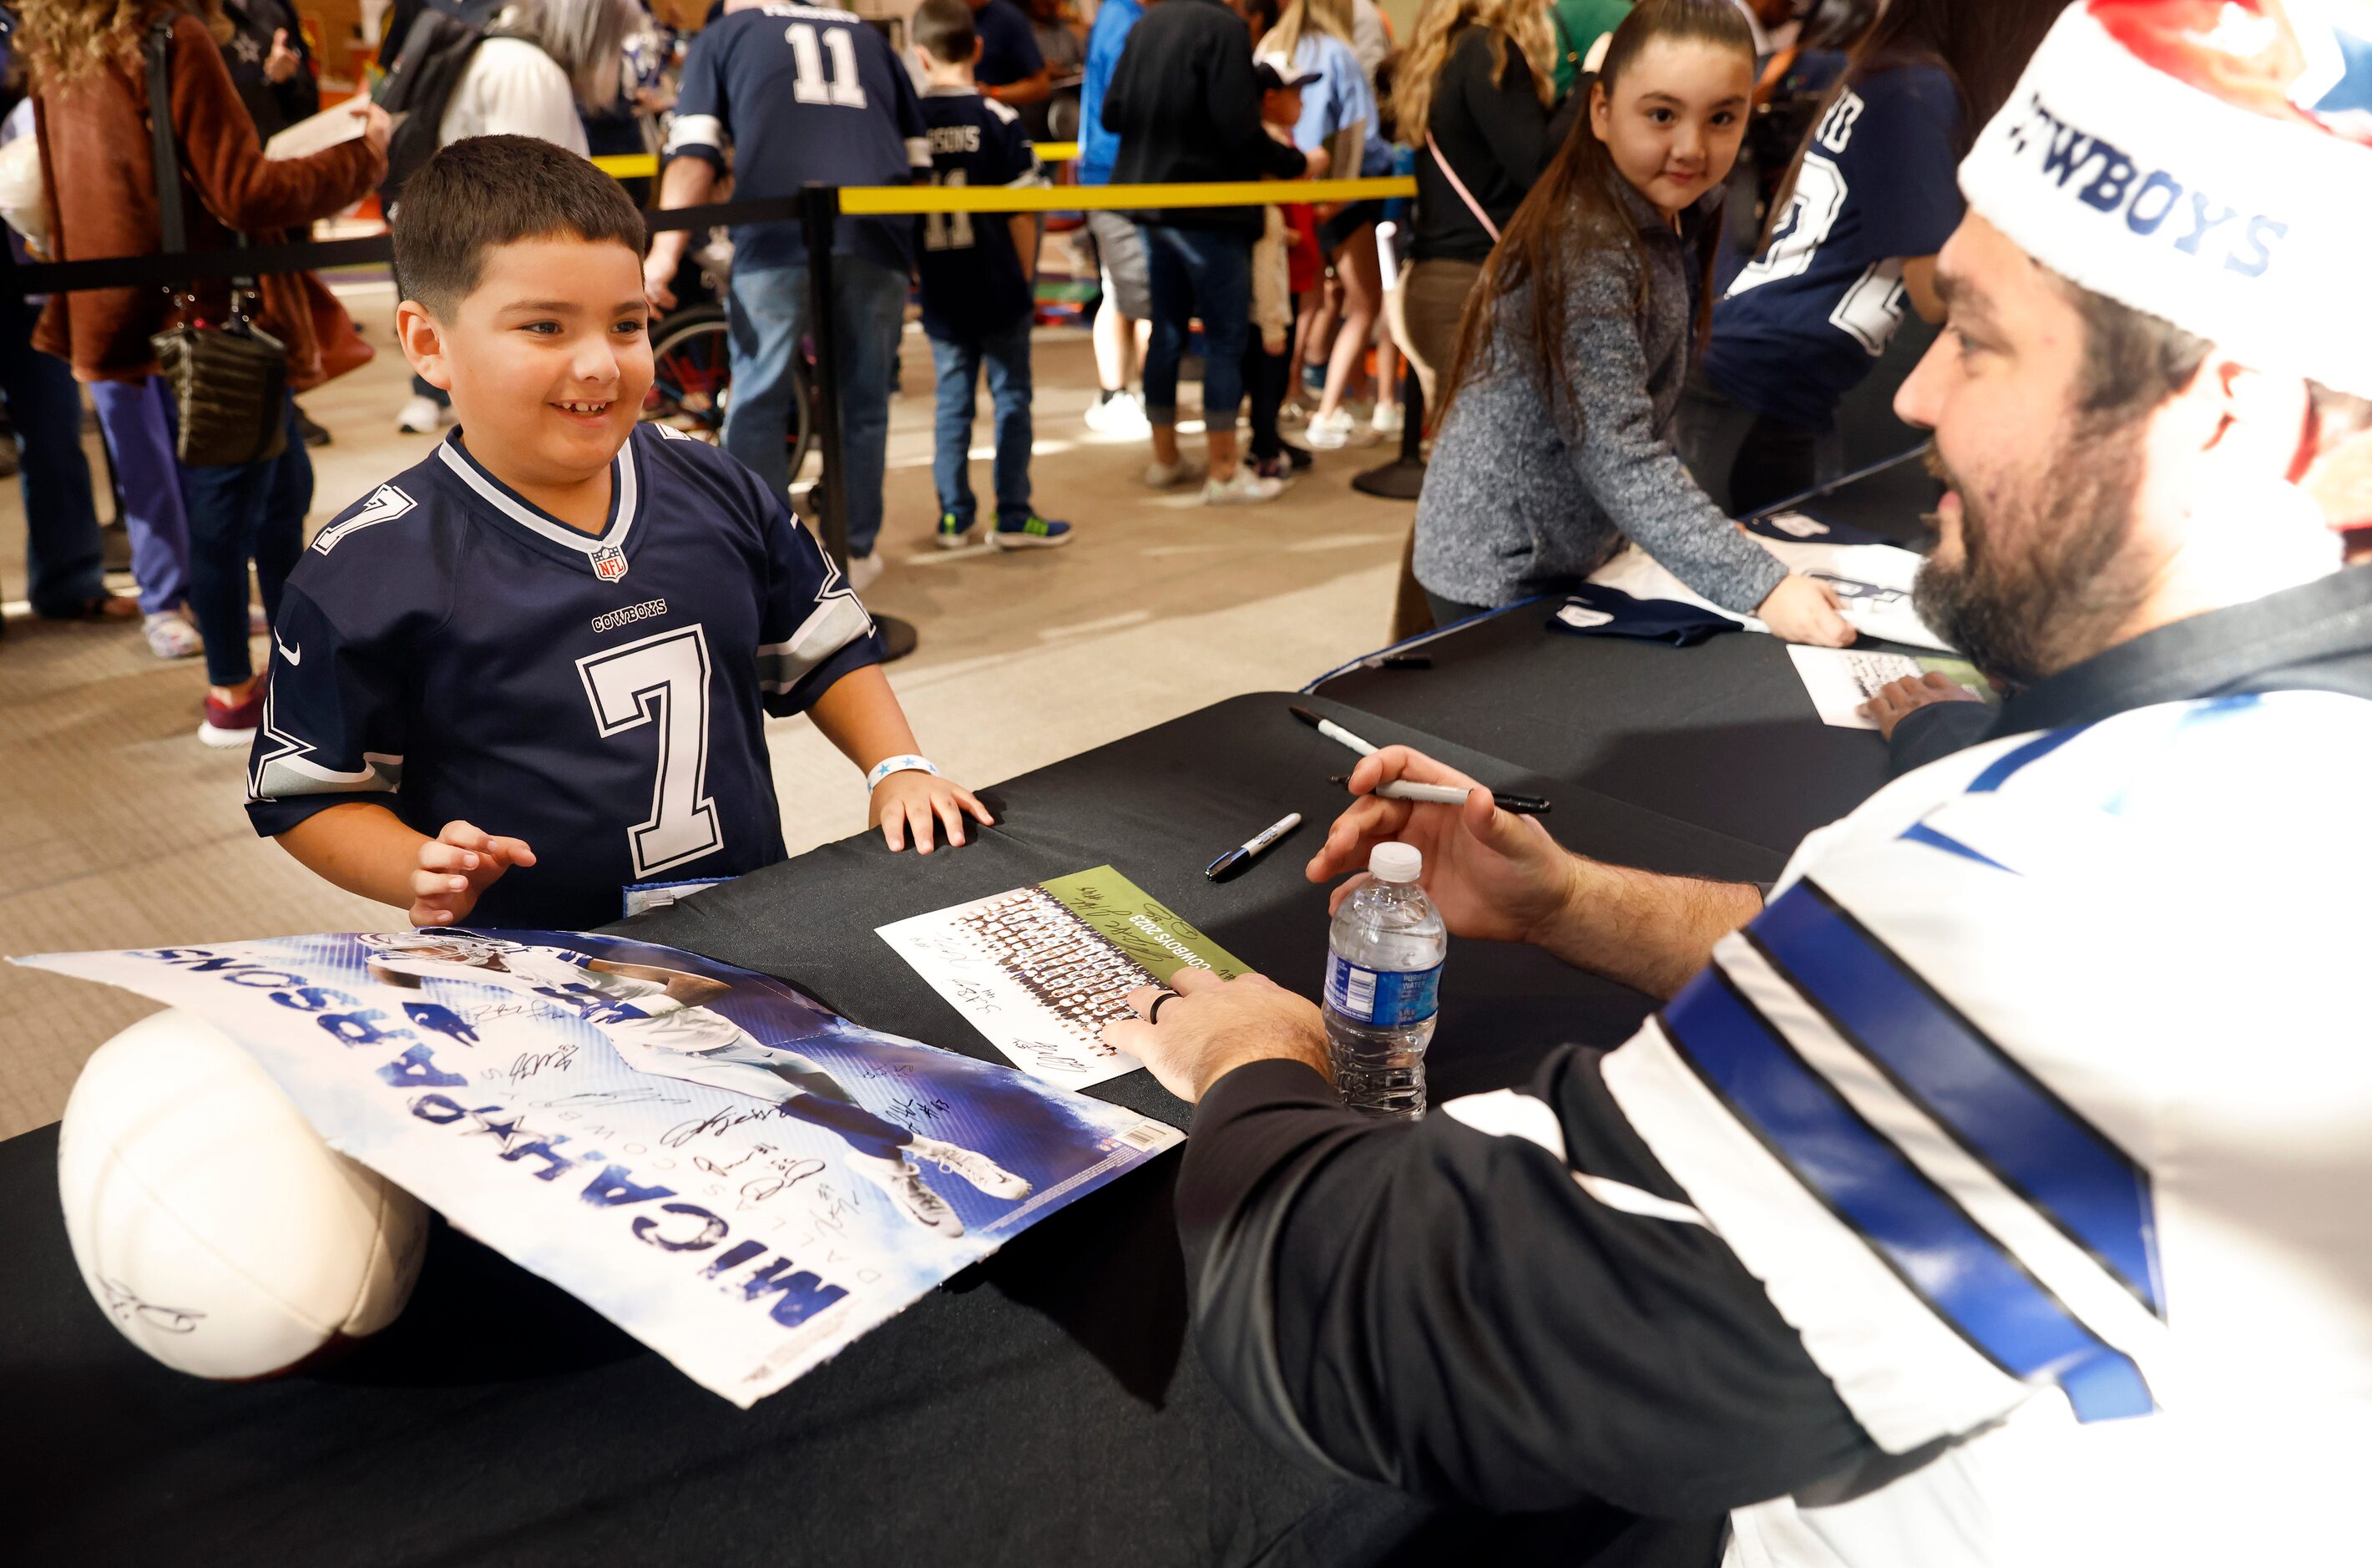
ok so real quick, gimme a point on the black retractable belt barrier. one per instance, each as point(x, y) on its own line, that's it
point(819, 223)
point(165, 270)
point(819, 219)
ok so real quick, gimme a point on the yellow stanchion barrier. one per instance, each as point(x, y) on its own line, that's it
point(642, 165)
point(893, 201)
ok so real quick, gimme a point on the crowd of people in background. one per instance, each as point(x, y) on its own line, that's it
point(1652, 252)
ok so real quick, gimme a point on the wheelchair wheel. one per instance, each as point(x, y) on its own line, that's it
point(691, 381)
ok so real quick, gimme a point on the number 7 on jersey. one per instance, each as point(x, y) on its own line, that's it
point(662, 681)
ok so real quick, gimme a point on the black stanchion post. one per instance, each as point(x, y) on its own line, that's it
point(1404, 477)
point(819, 219)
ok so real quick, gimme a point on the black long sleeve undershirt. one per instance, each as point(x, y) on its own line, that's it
point(1449, 1313)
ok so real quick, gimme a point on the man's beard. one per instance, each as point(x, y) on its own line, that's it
point(2038, 586)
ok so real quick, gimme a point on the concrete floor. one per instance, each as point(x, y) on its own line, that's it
point(125, 831)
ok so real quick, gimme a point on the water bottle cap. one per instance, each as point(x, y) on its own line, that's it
point(1395, 863)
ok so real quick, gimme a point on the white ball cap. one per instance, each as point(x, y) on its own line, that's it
point(1395, 863)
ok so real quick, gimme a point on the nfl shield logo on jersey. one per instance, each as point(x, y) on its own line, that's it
point(609, 563)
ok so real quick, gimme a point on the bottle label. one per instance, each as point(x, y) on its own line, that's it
point(1384, 998)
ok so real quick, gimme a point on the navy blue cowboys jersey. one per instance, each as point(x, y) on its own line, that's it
point(972, 282)
point(801, 93)
point(1802, 324)
point(445, 649)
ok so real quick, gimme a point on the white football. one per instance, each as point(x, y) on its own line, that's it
point(213, 1225)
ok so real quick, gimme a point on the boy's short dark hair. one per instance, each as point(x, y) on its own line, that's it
point(945, 28)
point(486, 191)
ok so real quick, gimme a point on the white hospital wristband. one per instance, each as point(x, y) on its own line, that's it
point(890, 765)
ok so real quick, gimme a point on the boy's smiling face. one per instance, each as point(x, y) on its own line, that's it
point(548, 359)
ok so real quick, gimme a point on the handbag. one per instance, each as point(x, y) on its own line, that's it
point(229, 384)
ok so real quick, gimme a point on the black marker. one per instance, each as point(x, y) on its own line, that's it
point(1235, 860)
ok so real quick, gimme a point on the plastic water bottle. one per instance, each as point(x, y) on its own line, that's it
point(1383, 986)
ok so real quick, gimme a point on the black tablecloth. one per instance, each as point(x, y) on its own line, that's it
point(1722, 734)
point(1043, 1408)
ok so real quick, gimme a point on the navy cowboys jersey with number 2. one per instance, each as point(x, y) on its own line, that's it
point(447, 650)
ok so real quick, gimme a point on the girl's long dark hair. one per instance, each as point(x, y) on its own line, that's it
point(1575, 211)
point(1981, 47)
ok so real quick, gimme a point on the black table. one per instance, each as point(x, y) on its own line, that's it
point(1043, 1408)
point(1722, 734)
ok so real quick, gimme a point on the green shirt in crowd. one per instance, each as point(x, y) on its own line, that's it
point(1578, 24)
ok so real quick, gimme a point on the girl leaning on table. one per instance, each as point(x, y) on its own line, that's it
point(1554, 442)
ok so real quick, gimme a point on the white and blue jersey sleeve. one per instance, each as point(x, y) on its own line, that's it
point(812, 629)
point(337, 718)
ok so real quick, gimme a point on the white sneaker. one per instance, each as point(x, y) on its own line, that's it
point(1242, 488)
point(422, 416)
point(907, 1190)
point(1122, 414)
point(1388, 422)
point(1165, 476)
point(983, 1173)
point(864, 571)
point(170, 635)
point(1332, 432)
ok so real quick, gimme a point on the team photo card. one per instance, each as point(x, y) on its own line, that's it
point(1041, 969)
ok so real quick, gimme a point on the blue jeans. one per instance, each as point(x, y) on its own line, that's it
point(135, 418)
point(768, 309)
point(60, 525)
point(1197, 273)
point(241, 512)
point(1006, 355)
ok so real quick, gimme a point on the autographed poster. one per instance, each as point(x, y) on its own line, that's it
point(1041, 969)
point(740, 1179)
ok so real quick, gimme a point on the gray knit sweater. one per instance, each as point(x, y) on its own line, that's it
point(1519, 502)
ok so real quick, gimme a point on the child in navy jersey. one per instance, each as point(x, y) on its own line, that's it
point(978, 295)
point(534, 669)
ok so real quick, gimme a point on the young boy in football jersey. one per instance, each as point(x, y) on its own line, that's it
point(978, 295)
point(534, 669)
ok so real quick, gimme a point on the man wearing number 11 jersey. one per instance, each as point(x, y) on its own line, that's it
point(784, 97)
point(534, 668)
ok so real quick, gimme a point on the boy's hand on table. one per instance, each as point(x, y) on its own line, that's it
point(455, 866)
point(915, 802)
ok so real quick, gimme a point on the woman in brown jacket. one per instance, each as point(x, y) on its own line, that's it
point(90, 92)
